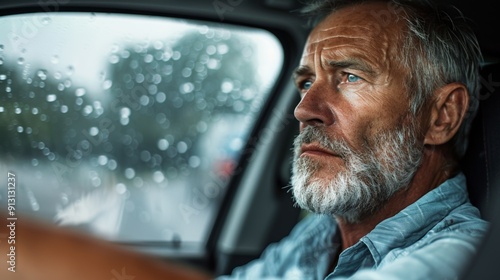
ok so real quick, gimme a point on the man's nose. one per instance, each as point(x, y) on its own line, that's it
point(314, 108)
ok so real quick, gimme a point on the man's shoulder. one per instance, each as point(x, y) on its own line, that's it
point(462, 226)
point(465, 219)
point(462, 216)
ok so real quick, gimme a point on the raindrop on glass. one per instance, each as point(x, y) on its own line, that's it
point(64, 198)
point(124, 121)
point(148, 58)
point(144, 100)
point(129, 173)
point(186, 88)
point(145, 156)
point(163, 144)
point(51, 156)
point(139, 78)
point(42, 74)
point(213, 63)
point(238, 106)
point(54, 59)
point(80, 92)
point(64, 109)
point(222, 48)
point(46, 20)
point(112, 164)
point(182, 147)
point(194, 161)
point(70, 70)
point(211, 50)
point(102, 160)
point(107, 84)
point(201, 127)
point(93, 131)
point(120, 188)
point(227, 86)
point(158, 176)
point(186, 72)
point(124, 112)
point(176, 55)
point(161, 97)
point(33, 202)
point(114, 59)
point(96, 181)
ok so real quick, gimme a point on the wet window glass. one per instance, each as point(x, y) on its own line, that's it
point(128, 127)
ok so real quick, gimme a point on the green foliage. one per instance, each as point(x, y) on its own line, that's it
point(160, 93)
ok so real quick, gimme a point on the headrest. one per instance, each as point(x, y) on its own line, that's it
point(481, 163)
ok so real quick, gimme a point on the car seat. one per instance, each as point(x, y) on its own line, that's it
point(481, 165)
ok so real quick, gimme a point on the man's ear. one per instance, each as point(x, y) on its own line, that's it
point(447, 112)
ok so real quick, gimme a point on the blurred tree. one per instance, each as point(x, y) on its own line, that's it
point(160, 98)
point(41, 114)
point(166, 96)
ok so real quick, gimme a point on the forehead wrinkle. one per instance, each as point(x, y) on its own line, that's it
point(337, 47)
point(347, 52)
point(354, 54)
point(344, 27)
point(340, 37)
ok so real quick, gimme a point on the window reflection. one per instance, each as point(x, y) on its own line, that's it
point(126, 126)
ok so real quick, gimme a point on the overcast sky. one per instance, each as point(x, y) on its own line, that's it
point(84, 42)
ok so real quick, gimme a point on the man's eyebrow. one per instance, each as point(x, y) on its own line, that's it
point(301, 71)
point(354, 64)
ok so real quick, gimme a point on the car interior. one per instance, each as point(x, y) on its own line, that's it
point(179, 144)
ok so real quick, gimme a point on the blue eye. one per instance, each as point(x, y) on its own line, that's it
point(351, 78)
point(306, 85)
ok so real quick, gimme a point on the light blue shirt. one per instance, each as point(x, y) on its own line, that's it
point(433, 238)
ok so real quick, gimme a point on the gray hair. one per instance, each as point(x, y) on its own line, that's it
point(439, 48)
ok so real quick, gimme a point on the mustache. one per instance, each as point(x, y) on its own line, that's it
point(312, 134)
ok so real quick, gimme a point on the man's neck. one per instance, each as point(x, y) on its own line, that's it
point(436, 168)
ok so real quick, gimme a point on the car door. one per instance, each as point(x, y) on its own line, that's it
point(163, 127)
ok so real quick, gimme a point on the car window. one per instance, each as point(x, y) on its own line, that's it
point(126, 126)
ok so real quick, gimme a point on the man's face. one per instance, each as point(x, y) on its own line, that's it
point(358, 143)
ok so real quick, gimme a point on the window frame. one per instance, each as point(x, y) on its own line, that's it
point(291, 36)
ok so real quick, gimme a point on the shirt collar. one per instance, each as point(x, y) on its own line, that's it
point(413, 222)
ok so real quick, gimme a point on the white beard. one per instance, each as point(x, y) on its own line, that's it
point(370, 178)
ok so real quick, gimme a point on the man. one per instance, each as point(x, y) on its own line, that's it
point(388, 90)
